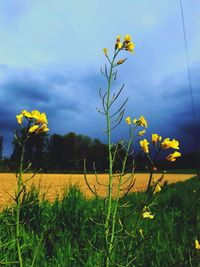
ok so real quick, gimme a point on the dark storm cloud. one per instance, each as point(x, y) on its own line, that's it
point(183, 107)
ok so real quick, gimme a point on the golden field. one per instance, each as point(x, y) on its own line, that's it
point(53, 184)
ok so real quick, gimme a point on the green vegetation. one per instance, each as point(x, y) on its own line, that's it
point(64, 233)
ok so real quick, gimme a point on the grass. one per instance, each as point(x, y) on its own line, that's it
point(64, 234)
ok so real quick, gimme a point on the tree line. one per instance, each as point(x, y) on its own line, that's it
point(66, 153)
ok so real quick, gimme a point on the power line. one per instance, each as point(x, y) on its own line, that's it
point(189, 81)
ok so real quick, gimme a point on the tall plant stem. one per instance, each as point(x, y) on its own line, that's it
point(110, 186)
point(19, 186)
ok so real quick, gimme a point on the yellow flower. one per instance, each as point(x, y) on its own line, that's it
point(33, 129)
point(175, 144)
point(196, 244)
point(26, 113)
point(105, 50)
point(147, 214)
point(141, 133)
point(156, 138)
point(141, 122)
point(141, 233)
point(42, 129)
point(118, 38)
point(19, 118)
point(121, 61)
point(118, 45)
point(128, 120)
point(170, 144)
point(41, 119)
point(130, 46)
point(144, 145)
point(127, 38)
point(172, 157)
point(157, 189)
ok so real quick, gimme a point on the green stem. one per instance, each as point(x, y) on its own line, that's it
point(110, 186)
point(19, 184)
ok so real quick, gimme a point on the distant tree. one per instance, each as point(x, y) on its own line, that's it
point(1, 147)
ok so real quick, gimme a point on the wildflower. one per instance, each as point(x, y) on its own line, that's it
point(147, 214)
point(172, 157)
point(19, 118)
point(121, 61)
point(141, 233)
point(175, 144)
point(128, 120)
point(37, 121)
point(196, 244)
point(127, 38)
point(170, 144)
point(141, 133)
point(42, 129)
point(118, 45)
point(130, 46)
point(26, 114)
point(33, 129)
point(105, 50)
point(144, 145)
point(157, 189)
point(141, 121)
point(156, 138)
point(118, 38)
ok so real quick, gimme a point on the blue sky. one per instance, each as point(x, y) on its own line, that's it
point(51, 55)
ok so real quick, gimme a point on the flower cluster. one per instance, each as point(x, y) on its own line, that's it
point(127, 45)
point(37, 122)
point(139, 122)
point(147, 214)
point(156, 140)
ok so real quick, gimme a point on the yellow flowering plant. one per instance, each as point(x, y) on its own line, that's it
point(31, 123)
point(112, 225)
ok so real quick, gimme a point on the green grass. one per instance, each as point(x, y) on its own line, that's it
point(64, 233)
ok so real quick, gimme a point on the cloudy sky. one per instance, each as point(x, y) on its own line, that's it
point(51, 55)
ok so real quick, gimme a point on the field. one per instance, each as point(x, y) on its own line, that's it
point(66, 233)
point(53, 184)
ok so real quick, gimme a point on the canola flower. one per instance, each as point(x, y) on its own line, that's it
point(170, 144)
point(147, 214)
point(144, 145)
point(141, 133)
point(196, 244)
point(127, 45)
point(141, 122)
point(172, 157)
point(155, 139)
point(157, 189)
point(37, 122)
point(128, 120)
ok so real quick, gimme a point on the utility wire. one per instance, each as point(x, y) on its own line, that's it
point(190, 83)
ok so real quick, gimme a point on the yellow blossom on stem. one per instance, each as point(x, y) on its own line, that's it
point(118, 38)
point(147, 214)
point(170, 144)
point(128, 120)
point(144, 145)
point(33, 129)
point(196, 244)
point(172, 157)
point(105, 50)
point(156, 138)
point(141, 133)
point(157, 189)
point(127, 38)
point(141, 121)
point(121, 61)
point(42, 129)
point(19, 118)
point(26, 114)
point(118, 45)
